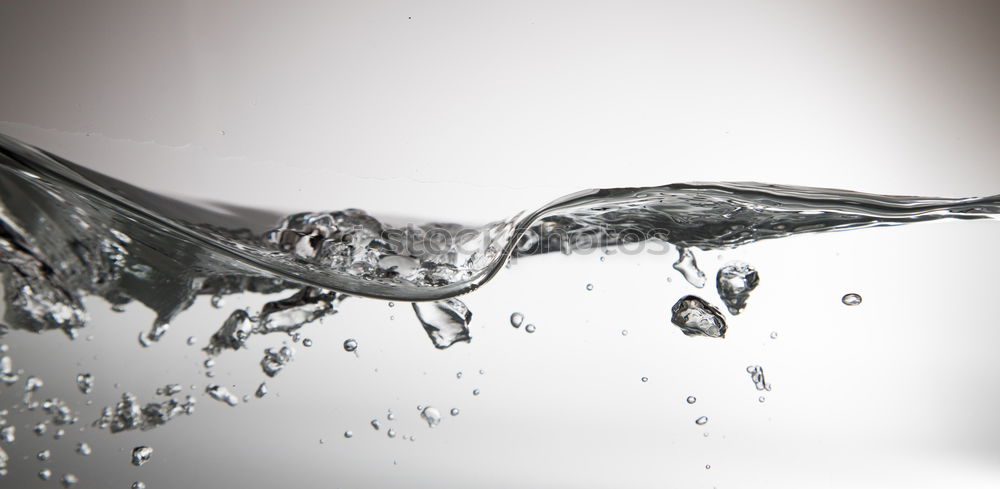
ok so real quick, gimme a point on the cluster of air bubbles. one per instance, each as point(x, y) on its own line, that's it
point(275, 360)
point(85, 382)
point(221, 394)
point(757, 376)
point(851, 299)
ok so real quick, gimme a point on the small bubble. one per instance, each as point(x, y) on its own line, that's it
point(138, 485)
point(516, 319)
point(44, 474)
point(602, 258)
point(530, 328)
point(218, 301)
point(307, 342)
point(191, 340)
point(431, 415)
point(392, 304)
point(475, 392)
point(590, 286)
point(645, 379)
point(774, 335)
point(209, 363)
point(59, 434)
point(702, 420)
point(44, 455)
point(390, 416)
point(348, 434)
point(624, 332)
point(481, 371)
point(350, 345)
point(391, 433)
point(69, 480)
point(454, 411)
point(851, 299)
point(458, 375)
point(760, 399)
point(376, 424)
point(708, 467)
point(691, 399)
point(322, 441)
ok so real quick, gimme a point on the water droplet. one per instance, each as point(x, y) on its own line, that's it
point(530, 328)
point(774, 335)
point(624, 332)
point(69, 480)
point(696, 317)
point(348, 434)
point(734, 282)
point(376, 424)
point(645, 379)
point(445, 322)
point(691, 400)
point(702, 420)
point(688, 266)
point(83, 449)
point(851, 299)
point(475, 392)
point(454, 411)
point(307, 342)
point(431, 415)
point(44, 455)
point(350, 345)
point(218, 301)
point(45, 474)
point(141, 454)
point(391, 433)
point(590, 286)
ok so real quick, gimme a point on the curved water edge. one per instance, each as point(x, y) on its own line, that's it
point(66, 231)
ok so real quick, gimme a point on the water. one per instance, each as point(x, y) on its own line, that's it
point(69, 234)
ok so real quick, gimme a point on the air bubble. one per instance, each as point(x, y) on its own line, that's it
point(590, 286)
point(691, 399)
point(454, 411)
point(350, 345)
point(516, 319)
point(348, 434)
point(530, 328)
point(701, 421)
point(851, 299)
point(431, 415)
point(141, 455)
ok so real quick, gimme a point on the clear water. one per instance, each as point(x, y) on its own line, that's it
point(641, 350)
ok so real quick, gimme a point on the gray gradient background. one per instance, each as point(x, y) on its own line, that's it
point(472, 111)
